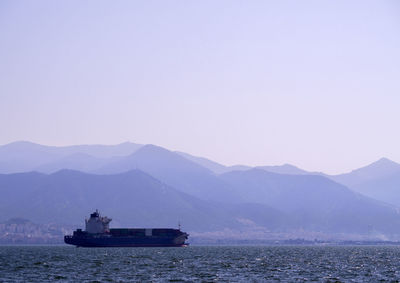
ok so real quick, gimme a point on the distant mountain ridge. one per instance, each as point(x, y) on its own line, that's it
point(315, 201)
point(135, 198)
point(51, 158)
point(27, 156)
point(285, 169)
point(67, 196)
point(140, 178)
point(212, 165)
point(218, 168)
point(378, 169)
point(174, 170)
point(379, 180)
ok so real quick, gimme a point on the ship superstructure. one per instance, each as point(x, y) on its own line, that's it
point(98, 234)
point(97, 224)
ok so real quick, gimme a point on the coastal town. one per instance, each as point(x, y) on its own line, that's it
point(23, 231)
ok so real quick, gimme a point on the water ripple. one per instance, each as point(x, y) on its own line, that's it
point(199, 264)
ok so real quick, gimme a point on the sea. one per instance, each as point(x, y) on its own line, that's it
point(201, 264)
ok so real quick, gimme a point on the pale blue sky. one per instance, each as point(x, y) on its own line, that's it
point(312, 83)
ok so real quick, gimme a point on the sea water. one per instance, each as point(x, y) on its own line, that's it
point(200, 264)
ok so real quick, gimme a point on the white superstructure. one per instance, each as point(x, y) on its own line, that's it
point(97, 224)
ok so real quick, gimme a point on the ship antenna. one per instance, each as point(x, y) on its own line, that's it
point(179, 225)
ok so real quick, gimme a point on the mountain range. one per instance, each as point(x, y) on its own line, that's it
point(147, 185)
point(26, 156)
point(379, 180)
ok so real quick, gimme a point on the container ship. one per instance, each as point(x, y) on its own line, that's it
point(98, 234)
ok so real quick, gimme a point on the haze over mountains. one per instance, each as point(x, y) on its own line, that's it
point(380, 180)
point(26, 156)
point(147, 185)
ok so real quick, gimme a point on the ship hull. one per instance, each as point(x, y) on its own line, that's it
point(98, 234)
point(107, 241)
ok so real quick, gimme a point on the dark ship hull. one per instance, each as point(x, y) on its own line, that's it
point(98, 234)
point(129, 238)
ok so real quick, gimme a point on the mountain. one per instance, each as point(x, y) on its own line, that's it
point(284, 169)
point(315, 202)
point(132, 199)
point(379, 180)
point(218, 168)
point(77, 161)
point(215, 167)
point(386, 188)
point(204, 162)
point(176, 171)
point(152, 186)
point(26, 156)
point(377, 170)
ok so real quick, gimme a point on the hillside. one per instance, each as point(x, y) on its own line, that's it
point(315, 202)
point(376, 170)
point(27, 156)
point(153, 186)
point(379, 180)
point(132, 199)
point(176, 171)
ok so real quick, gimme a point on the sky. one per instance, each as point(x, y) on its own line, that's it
point(311, 83)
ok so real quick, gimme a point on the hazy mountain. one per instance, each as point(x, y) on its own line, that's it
point(284, 169)
point(204, 162)
point(377, 170)
point(386, 188)
point(172, 186)
point(379, 180)
point(218, 168)
point(26, 156)
point(176, 171)
point(77, 161)
point(316, 202)
point(238, 168)
point(215, 167)
point(132, 199)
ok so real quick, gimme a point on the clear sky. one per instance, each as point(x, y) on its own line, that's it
point(311, 83)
